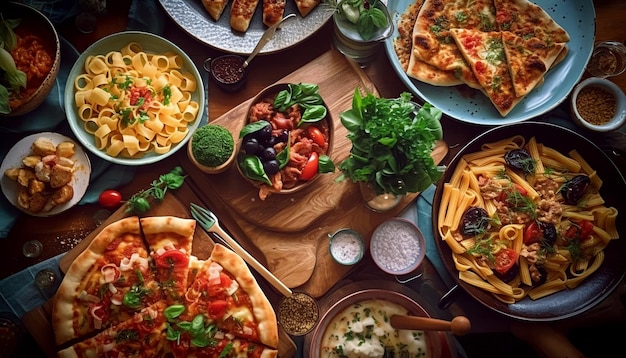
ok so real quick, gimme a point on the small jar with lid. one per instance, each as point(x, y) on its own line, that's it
point(346, 246)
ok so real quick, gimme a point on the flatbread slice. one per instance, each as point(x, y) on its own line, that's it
point(527, 20)
point(485, 54)
point(305, 6)
point(215, 8)
point(106, 284)
point(241, 13)
point(529, 60)
point(273, 11)
point(169, 239)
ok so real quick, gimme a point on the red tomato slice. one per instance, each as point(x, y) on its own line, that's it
point(520, 189)
point(532, 233)
point(316, 135)
point(505, 259)
point(172, 258)
point(217, 308)
point(310, 168)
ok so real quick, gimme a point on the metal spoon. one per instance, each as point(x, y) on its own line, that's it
point(460, 325)
point(267, 36)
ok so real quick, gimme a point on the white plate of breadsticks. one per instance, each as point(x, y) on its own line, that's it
point(195, 19)
point(45, 174)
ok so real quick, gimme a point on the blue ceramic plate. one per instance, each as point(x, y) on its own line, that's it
point(152, 44)
point(459, 102)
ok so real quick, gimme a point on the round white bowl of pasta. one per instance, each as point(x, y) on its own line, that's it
point(526, 221)
point(134, 98)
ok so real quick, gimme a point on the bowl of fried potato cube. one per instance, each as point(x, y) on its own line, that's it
point(45, 174)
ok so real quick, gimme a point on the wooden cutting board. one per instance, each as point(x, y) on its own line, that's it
point(176, 203)
point(290, 232)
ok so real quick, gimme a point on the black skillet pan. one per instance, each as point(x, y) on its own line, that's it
point(595, 288)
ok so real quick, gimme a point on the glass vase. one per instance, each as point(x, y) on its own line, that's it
point(378, 202)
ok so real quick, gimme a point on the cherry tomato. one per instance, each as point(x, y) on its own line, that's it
point(505, 259)
point(110, 198)
point(316, 135)
point(172, 258)
point(579, 231)
point(310, 168)
point(532, 233)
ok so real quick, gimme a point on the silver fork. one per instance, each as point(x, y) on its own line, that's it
point(209, 222)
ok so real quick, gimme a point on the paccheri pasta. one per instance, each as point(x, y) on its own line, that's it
point(135, 102)
point(524, 220)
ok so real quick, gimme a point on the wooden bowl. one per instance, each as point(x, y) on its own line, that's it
point(271, 92)
point(208, 169)
point(35, 23)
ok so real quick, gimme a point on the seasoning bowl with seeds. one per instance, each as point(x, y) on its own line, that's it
point(397, 246)
point(598, 104)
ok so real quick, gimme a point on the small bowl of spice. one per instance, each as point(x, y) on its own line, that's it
point(298, 314)
point(346, 246)
point(598, 104)
point(397, 246)
point(228, 72)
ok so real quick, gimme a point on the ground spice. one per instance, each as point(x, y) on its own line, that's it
point(596, 105)
point(298, 313)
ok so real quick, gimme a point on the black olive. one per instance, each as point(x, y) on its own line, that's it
point(509, 274)
point(271, 167)
point(574, 189)
point(268, 153)
point(475, 221)
point(520, 159)
point(270, 142)
point(542, 276)
point(251, 145)
point(283, 137)
point(549, 233)
point(264, 134)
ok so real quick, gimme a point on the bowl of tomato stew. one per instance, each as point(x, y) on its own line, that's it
point(36, 52)
point(286, 141)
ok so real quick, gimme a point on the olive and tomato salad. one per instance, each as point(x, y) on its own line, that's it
point(286, 138)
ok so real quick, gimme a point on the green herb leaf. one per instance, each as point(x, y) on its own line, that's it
point(252, 167)
point(139, 203)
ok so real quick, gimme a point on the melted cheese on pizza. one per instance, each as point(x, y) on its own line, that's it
point(363, 330)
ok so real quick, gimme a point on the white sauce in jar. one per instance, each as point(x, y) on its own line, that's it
point(346, 246)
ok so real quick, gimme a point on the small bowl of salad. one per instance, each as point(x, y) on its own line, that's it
point(286, 141)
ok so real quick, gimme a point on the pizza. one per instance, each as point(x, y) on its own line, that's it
point(215, 8)
point(532, 43)
point(273, 11)
point(241, 12)
point(484, 52)
point(138, 291)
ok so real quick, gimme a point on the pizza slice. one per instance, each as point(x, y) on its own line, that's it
point(484, 52)
point(169, 239)
point(241, 12)
point(215, 8)
point(527, 20)
point(529, 60)
point(106, 284)
point(142, 335)
point(306, 6)
point(273, 11)
point(227, 294)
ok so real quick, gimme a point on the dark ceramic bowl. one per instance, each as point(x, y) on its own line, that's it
point(227, 72)
point(36, 23)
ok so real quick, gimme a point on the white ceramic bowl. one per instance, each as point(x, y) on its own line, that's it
point(151, 44)
point(615, 122)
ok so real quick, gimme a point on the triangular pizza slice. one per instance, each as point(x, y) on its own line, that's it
point(484, 52)
point(106, 284)
point(169, 239)
point(529, 59)
point(527, 20)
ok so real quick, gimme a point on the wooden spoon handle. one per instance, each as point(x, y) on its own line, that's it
point(460, 325)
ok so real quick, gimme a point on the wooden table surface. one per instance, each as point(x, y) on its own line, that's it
point(59, 234)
